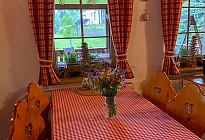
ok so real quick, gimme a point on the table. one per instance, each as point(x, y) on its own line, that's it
point(200, 80)
point(81, 117)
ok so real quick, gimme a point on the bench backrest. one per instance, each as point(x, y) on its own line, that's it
point(26, 124)
point(188, 107)
point(159, 90)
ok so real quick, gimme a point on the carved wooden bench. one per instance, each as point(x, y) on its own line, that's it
point(26, 124)
point(159, 90)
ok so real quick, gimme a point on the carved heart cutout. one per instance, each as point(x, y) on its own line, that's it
point(28, 129)
point(37, 104)
point(157, 90)
point(189, 108)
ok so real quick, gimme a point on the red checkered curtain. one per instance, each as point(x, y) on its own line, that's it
point(120, 12)
point(41, 15)
point(171, 14)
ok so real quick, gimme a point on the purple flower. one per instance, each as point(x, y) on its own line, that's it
point(86, 72)
point(103, 70)
point(110, 68)
point(97, 73)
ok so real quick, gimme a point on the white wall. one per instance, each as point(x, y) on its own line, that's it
point(145, 50)
point(18, 58)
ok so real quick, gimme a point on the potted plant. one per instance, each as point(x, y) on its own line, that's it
point(183, 58)
point(73, 68)
point(70, 58)
point(93, 57)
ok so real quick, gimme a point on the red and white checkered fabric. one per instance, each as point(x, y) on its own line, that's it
point(120, 12)
point(41, 16)
point(76, 116)
point(171, 14)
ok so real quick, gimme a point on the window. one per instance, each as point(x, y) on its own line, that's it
point(76, 22)
point(191, 24)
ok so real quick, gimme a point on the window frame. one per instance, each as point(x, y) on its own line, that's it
point(82, 7)
point(189, 7)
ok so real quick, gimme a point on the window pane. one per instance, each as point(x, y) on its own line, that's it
point(67, 23)
point(185, 3)
point(200, 42)
point(67, 43)
point(94, 22)
point(67, 1)
point(98, 46)
point(197, 3)
point(202, 37)
point(184, 20)
point(94, 1)
point(181, 45)
point(197, 20)
point(96, 42)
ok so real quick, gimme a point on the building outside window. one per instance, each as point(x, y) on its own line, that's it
point(191, 24)
point(77, 21)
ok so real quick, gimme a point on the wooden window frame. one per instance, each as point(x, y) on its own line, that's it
point(188, 25)
point(82, 7)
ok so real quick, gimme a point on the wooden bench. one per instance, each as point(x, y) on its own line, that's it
point(26, 124)
point(40, 102)
point(188, 107)
point(159, 90)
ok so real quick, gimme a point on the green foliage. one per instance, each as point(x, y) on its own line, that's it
point(74, 14)
point(76, 43)
point(182, 50)
point(67, 22)
point(57, 23)
point(71, 57)
point(93, 57)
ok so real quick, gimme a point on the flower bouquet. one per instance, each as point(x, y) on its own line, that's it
point(108, 82)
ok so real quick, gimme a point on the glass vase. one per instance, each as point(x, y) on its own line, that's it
point(110, 107)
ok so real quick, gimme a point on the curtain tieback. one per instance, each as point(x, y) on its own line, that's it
point(169, 53)
point(121, 57)
point(45, 63)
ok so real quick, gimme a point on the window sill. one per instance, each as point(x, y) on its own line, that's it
point(73, 80)
point(191, 70)
point(187, 72)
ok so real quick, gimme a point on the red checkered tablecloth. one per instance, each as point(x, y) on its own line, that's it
point(81, 117)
